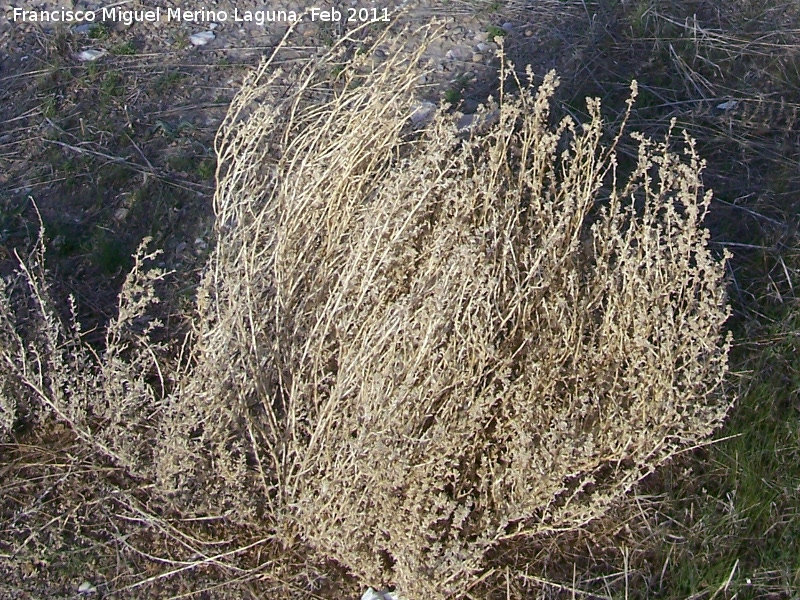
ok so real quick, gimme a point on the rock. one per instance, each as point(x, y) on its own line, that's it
point(87, 588)
point(469, 105)
point(477, 57)
point(423, 114)
point(458, 53)
point(729, 105)
point(202, 38)
point(465, 123)
point(89, 55)
point(477, 123)
point(371, 594)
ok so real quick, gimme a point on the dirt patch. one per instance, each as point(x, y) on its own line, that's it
point(107, 126)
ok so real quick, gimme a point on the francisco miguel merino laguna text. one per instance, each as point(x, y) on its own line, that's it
point(128, 17)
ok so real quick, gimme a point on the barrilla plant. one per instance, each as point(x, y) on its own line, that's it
point(408, 347)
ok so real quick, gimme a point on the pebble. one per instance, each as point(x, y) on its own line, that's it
point(202, 38)
point(478, 123)
point(458, 53)
point(729, 105)
point(423, 114)
point(86, 588)
point(371, 594)
point(89, 55)
point(477, 57)
point(469, 105)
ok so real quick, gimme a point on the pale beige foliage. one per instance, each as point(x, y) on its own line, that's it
point(411, 346)
point(106, 400)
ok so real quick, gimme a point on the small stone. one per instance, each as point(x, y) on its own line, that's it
point(482, 47)
point(469, 105)
point(729, 105)
point(202, 38)
point(507, 27)
point(89, 55)
point(371, 594)
point(465, 122)
point(86, 588)
point(481, 36)
point(478, 123)
point(423, 113)
point(528, 33)
point(477, 57)
point(458, 53)
point(120, 214)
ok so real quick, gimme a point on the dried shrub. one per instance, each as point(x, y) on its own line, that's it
point(106, 399)
point(413, 345)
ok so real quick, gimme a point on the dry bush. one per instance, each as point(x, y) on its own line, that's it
point(107, 400)
point(411, 346)
point(418, 345)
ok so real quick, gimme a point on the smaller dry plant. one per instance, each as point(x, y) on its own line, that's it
point(412, 346)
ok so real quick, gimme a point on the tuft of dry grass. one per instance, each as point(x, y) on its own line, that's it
point(410, 347)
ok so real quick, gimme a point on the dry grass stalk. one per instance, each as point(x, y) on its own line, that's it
point(412, 346)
